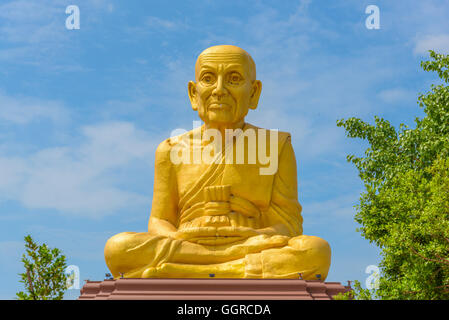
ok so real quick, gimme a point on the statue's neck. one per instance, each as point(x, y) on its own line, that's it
point(222, 127)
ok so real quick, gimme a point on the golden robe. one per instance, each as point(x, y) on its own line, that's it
point(265, 204)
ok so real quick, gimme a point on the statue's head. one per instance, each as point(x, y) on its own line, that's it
point(225, 86)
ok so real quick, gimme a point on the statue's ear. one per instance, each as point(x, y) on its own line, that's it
point(193, 95)
point(255, 94)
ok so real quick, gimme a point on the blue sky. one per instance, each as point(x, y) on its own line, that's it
point(82, 111)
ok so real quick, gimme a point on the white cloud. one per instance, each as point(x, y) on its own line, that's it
point(103, 4)
point(80, 179)
point(12, 172)
point(23, 110)
point(397, 95)
point(336, 208)
point(31, 22)
point(10, 253)
point(34, 32)
point(438, 43)
point(88, 246)
point(155, 22)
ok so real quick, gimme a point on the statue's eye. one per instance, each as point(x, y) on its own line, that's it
point(208, 78)
point(235, 78)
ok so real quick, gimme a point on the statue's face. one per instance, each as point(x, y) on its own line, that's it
point(224, 88)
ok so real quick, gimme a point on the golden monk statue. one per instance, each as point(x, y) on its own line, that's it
point(218, 210)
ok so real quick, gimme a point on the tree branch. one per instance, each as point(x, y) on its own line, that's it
point(429, 259)
point(30, 284)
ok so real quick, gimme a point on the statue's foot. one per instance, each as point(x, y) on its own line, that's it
point(150, 273)
point(306, 255)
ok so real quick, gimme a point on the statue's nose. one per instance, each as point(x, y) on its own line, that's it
point(219, 90)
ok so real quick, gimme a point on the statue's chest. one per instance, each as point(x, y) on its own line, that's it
point(245, 181)
point(248, 183)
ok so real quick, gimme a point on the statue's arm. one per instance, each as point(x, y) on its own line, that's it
point(284, 214)
point(163, 218)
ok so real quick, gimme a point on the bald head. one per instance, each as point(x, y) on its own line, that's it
point(226, 86)
point(226, 54)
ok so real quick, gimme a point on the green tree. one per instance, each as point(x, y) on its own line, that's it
point(357, 293)
point(405, 206)
point(44, 277)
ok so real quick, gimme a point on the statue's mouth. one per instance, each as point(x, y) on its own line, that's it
point(219, 106)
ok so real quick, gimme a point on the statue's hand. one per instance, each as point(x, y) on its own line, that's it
point(208, 234)
point(217, 208)
point(244, 232)
point(243, 206)
point(195, 232)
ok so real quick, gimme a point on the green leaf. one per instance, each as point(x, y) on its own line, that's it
point(405, 206)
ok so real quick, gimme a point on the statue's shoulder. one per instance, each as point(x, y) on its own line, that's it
point(163, 151)
point(183, 138)
point(282, 135)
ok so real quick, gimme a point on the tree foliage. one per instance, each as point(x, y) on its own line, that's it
point(357, 293)
point(44, 277)
point(405, 206)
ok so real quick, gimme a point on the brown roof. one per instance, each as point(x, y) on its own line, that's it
point(210, 289)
